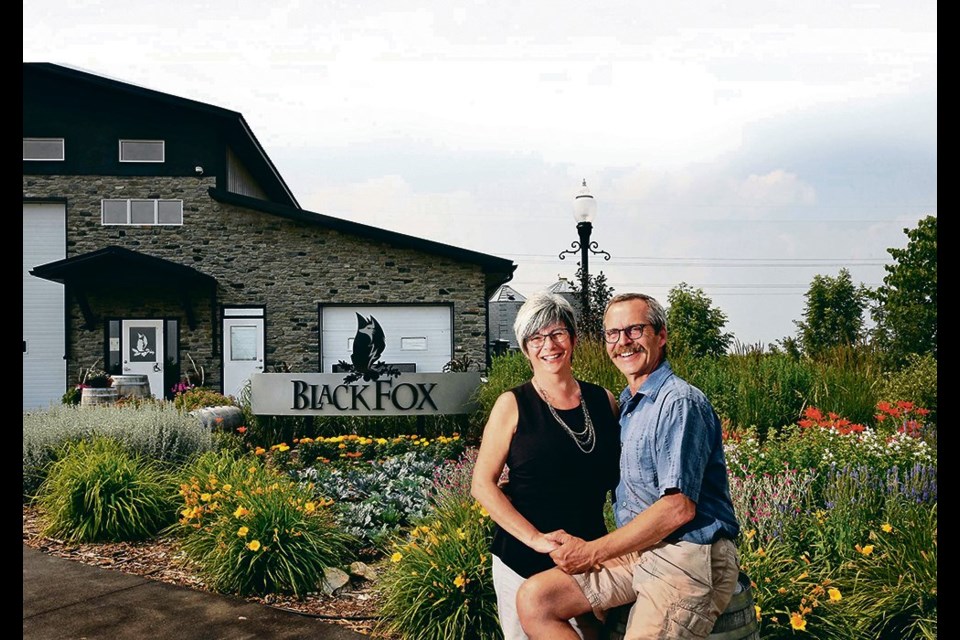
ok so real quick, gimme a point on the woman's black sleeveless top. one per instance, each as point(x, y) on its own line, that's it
point(552, 482)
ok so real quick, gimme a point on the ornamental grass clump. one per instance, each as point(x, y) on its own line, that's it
point(252, 530)
point(156, 431)
point(438, 583)
point(97, 491)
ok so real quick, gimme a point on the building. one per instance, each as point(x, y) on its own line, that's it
point(159, 237)
point(504, 305)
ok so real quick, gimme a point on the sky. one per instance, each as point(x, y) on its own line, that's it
point(740, 147)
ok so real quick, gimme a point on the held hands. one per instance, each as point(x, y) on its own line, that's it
point(542, 544)
point(572, 554)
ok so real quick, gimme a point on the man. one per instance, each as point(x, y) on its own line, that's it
point(673, 551)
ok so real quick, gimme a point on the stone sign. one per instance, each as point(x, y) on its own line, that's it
point(323, 394)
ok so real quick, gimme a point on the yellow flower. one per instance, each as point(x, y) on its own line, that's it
point(396, 557)
point(205, 497)
point(798, 622)
point(867, 550)
point(459, 581)
point(227, 487)
point(310, 507)
point(886, 527)
point(835, 594)
point(283, 447)
point(240, 512)
point(761, 552)
point(461, 534)
point(242, 532)
point(749, 534)
point(756, 608)
point(484, 512)
point(253, 545)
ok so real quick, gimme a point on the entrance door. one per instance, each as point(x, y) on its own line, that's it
point(142, 346)
point(243, 331)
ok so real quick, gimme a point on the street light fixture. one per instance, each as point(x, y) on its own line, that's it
point(584, 209)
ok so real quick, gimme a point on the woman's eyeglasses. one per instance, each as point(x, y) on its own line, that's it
point(559, 337)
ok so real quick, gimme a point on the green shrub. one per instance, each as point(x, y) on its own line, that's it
point(156, 431)
point(252, 530)
point(438, 584)
point(97, 491)
point(916, 382)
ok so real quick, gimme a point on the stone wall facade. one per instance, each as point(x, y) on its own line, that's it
point(258, 259)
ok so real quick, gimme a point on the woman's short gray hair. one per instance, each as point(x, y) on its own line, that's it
point(543, 309)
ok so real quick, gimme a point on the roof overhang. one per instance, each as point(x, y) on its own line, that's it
point(111, 265)
point(118, 268)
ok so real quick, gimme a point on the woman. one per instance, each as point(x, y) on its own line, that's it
point(559, 439)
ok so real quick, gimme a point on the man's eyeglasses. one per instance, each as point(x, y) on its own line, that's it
point(633, 332)
point(560, 336)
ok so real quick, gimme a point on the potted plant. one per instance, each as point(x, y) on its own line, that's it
point(96, 387)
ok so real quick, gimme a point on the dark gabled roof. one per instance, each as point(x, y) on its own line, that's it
point(233, 121)
point(116, 265)
point(498, 270)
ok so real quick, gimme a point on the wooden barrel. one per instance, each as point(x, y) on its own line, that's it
point(134, 385)
point(93, 397)
point(737, 622)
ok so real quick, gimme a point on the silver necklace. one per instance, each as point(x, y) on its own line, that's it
point(586, 439)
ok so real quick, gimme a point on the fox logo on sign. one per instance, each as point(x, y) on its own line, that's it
point(368, 345)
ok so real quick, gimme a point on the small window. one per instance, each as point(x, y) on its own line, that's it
point(141, 151)
point(141, 212)
point(413, 344)
point(43, 149)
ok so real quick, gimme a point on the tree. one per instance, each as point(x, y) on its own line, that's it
point(694, 326)
point(905, 310)
point(834, 314)
point(599, 294)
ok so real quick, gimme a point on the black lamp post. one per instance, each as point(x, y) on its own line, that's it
point(584, 209)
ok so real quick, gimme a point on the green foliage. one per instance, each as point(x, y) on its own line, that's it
point(97, 491)
point(72, 396)
point(916, 382)
point(833, 315)
point(199, 397)
point(839, 530)
point(599, 294)
point(158, 432)
point(906, 303)
point(694, 326)
point(438, 584)
point(253, 530)
point(373, 500)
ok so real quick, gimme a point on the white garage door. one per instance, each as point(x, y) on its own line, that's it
point(44, 368)
point(414, 335)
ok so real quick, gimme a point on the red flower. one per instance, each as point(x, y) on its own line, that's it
point(813, 413)
point(241, 429)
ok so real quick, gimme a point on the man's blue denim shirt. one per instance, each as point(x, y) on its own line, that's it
point(671, 439)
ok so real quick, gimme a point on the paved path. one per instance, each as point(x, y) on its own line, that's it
point(69, 600)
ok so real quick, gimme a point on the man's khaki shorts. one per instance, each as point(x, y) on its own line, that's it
point(679, 589)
